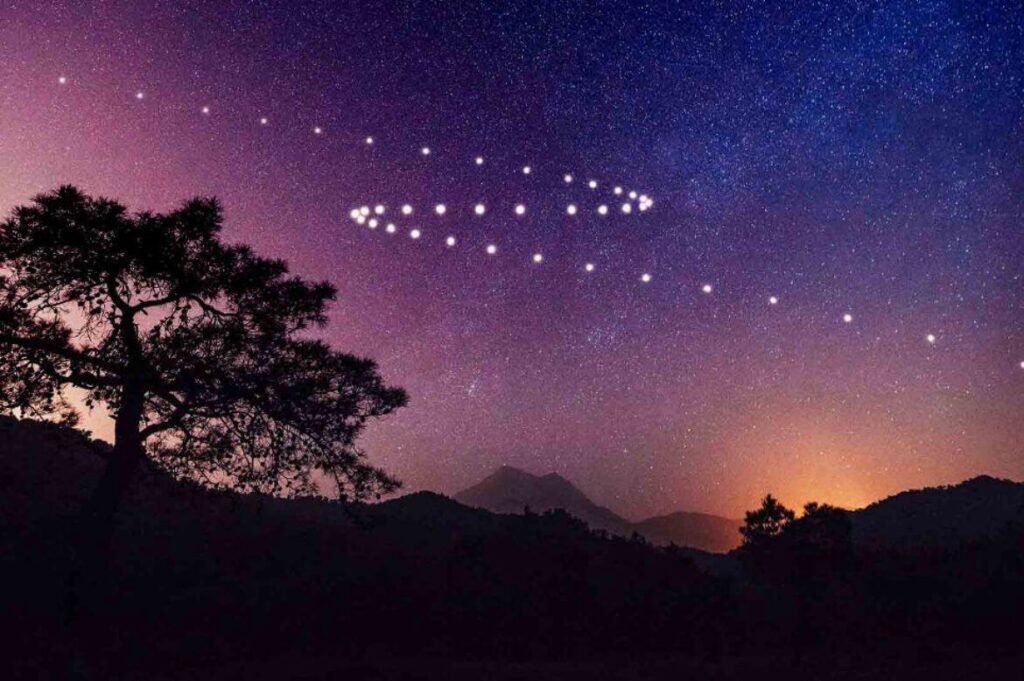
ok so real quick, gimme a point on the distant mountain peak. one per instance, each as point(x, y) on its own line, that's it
point(511, 490)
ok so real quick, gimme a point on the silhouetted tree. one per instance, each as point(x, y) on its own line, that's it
point(766, 522)
point(196, 347)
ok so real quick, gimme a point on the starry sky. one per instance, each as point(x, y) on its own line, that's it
point(860, 162)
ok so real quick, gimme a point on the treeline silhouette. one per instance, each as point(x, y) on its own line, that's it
point(202, 581)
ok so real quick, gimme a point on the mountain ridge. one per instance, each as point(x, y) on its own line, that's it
point(511, 490)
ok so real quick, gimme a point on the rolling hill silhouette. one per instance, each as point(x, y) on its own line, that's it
point(422, 573)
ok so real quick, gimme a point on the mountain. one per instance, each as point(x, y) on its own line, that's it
point(698, 530)
point(941, 516)
point(510, 490)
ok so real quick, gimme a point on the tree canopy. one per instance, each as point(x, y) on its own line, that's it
point(201, 350)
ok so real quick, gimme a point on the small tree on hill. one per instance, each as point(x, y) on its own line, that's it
point(766, 522)
point(196, 347)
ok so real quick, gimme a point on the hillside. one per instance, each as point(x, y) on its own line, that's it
point(941, 516)
point(698, 530)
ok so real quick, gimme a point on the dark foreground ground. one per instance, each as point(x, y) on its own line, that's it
point(205, 586)
point(934, 667)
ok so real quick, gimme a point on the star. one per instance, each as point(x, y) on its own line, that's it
point(390, 229)
point(627, 208)
point(379, 209)
point(538, 258)
point(592, 184)
point(415, 234)
point(450, 241)
point(139, 95)
point(373, 223)
point(440, 209)
point(369, 140)
point(847, 318)
point(571, 209)
point(930, 338)
point(205, 110)
point(568, 179)
point(264, 120)
point(589, 267)
point(479, 160)
point(706, 288)
point(317, 130)
point(62, 80)
point(646, 278)
point(617, 191)
point(602, 210)
point(491, 249)
point(365, 210)
point(526, 170)
point(407, 209)
point(480, 209)
point(425, 151)
point(772, 300)
point(520, 209)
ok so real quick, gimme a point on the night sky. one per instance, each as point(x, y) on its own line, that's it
point(860, 159)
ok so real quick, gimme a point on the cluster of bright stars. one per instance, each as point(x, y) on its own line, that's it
point(643, 203)
point(373, 218)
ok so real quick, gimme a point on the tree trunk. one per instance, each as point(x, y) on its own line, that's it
point(99, 519)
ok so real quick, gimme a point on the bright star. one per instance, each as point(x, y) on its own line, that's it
point(627, 209)
point(847, 317)
point(589, 267)
point(480, 209)
point(930, 338)
point(592, 184)
point(62, 80)
point(570, 209)
point(415, 234)
point(263, 120)
point(618, 190)
point(492, 249)
point(317, 130)
point(526, 170)
point(520, 209)
point(354, 213)
point(602, 210)
point(479, 160)
point(706, 288)
point(568, 179)
point(373, 223)
point(379, 209)
point(772, 300)
point(365, 210)
point(450, 241)
point(425, 151)
point(646, 278)
point(369, 140)
point(390, 229)
point(440, 209)
point(139, 95)
point(632, 195)
point(205, 110)
point(538, 258)
point(407, 209)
